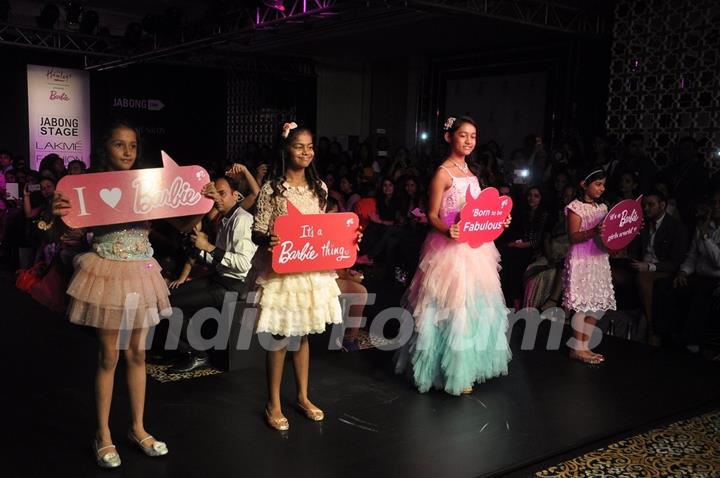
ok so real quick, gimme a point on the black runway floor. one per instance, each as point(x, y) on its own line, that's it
point(547, 407)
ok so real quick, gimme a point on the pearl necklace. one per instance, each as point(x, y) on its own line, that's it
point(463, 168)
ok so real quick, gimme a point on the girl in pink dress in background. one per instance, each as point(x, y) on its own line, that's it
point(588, 280)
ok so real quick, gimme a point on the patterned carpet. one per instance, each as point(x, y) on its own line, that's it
point(159, 373)
point(688, 448)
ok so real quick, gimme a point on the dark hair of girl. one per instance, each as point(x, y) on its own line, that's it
point(451, 127)
point(277, 171)
point(588, 176)
point(100, 159)
point(457, 123)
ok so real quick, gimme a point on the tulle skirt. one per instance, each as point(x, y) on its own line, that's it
point(297, 304)
point(460, 317)
point(122, 295)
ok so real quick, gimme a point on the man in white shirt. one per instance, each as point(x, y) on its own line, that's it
point(231, 256)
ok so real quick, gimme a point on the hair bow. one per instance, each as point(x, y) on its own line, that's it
point(287, 127)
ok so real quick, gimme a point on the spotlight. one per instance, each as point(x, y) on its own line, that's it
point(89, 22)
point(48, 16)
point(423, 136)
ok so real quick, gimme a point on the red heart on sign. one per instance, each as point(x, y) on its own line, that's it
point(482, 218)
point(314, 242)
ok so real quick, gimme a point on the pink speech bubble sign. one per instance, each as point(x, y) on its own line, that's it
point(622, 223)
point(482, 218)
point(117, 197)
point(314, 242)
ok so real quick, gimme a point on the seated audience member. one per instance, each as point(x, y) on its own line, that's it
point(522, 243)
point(349, 282)
point(231, 255)
point(626, 187)
point(383, 233)
point(366, 206)
point(688, 180)
point(671, 208)
point(683, 306)
point(544, 276)
point(346, 196)
point(76, 167)
point(656, 252)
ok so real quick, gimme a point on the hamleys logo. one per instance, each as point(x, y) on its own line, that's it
point(58, 75)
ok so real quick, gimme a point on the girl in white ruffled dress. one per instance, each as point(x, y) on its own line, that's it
point(295, 304)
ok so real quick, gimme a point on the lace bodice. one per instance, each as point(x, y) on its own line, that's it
point(270, 205)
point(453, 199)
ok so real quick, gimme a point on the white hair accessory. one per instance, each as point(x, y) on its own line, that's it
point(449, 123)
point(287, 127)
point(594, 172)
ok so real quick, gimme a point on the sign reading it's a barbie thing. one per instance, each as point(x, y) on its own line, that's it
point(314, 242)
point(117, 197)
point(622, 224)
point(482, 219)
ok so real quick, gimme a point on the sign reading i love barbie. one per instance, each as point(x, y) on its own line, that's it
point(482, 218)
point(117, 197)
point(314, 242)
point(622, 224)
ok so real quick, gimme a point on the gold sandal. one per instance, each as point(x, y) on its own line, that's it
point(279, 424)
point(315, 415)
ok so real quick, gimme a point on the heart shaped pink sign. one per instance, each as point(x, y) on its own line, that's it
point(482, 219)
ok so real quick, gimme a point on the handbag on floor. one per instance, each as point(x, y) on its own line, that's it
point(50, 289)
point(26, 278)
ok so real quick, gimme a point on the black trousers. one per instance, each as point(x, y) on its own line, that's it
point(684, 312)
point(198, 294)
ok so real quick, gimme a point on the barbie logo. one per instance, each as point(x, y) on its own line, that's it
point(622, 224)
point(147, 198)
point(59, 97)
point(314, 242)
point(627, 217)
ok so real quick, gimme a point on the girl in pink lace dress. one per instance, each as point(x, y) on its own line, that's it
point(455, 296)
point(588, 281)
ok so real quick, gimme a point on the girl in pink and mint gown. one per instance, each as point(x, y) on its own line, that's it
point(455, 298)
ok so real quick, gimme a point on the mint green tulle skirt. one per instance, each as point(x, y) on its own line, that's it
point(459, 337)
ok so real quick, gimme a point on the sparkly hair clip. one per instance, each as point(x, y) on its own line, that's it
point(287, 127)
point(449, 123)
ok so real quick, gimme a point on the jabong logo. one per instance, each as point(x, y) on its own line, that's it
point(61, 76)
point(138, 104)
point(245, 314)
